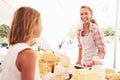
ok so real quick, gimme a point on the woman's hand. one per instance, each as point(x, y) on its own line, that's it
point(78, 62)
point(101, 55)
point(97, 60)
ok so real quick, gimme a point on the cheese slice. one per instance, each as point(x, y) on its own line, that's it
point(108, 71)
point(84, 74)
point(115, 77)
point(89, 76)
point(64, 60)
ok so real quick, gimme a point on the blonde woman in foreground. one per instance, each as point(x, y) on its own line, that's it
point(21, 61)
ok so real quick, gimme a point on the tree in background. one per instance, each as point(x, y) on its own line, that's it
point(3, 34)
point(108, 31)
point(3, 31)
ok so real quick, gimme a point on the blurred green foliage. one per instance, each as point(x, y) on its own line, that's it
point(3, 31)
point(108, 31)
point(3, 35)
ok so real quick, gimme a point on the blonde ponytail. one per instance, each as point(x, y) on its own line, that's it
point(93, 21)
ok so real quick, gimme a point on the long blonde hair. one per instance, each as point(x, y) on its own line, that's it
point(21, 29)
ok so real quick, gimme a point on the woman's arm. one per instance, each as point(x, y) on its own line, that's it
point(79, 56)
point(99, 41)
point(80, 47)
point(27, 62)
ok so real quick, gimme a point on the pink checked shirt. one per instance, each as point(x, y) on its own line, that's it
point(97, 37)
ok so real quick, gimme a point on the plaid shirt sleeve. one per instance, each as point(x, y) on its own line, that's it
point(98, 38)
point(78, 38)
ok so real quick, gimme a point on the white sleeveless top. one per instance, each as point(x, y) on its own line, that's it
point(10, 71)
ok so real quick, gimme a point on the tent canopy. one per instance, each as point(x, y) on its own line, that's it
point(59, 16)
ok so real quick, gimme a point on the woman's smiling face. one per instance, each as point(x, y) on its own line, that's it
point(85, 15)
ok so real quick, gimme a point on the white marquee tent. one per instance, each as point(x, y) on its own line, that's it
point(56, 17)
point(59, 16)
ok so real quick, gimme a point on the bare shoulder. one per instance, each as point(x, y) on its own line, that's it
point(27, 54)
point(26, 59)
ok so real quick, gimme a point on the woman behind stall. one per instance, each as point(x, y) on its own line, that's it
point(90, 39)
point(21, 61)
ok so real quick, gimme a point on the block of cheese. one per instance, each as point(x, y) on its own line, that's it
point(76, 73)
point(108, 71)
point(100, 70)
point(47, 61)
point(47, 56)
point(64, 60)
point(89, 76)
point(115, 77)
point(59, 70)
point(84, 74)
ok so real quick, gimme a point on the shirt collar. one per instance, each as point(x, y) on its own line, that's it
point(91, 24)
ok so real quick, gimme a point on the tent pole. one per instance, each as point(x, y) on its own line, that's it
point(116, 33)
